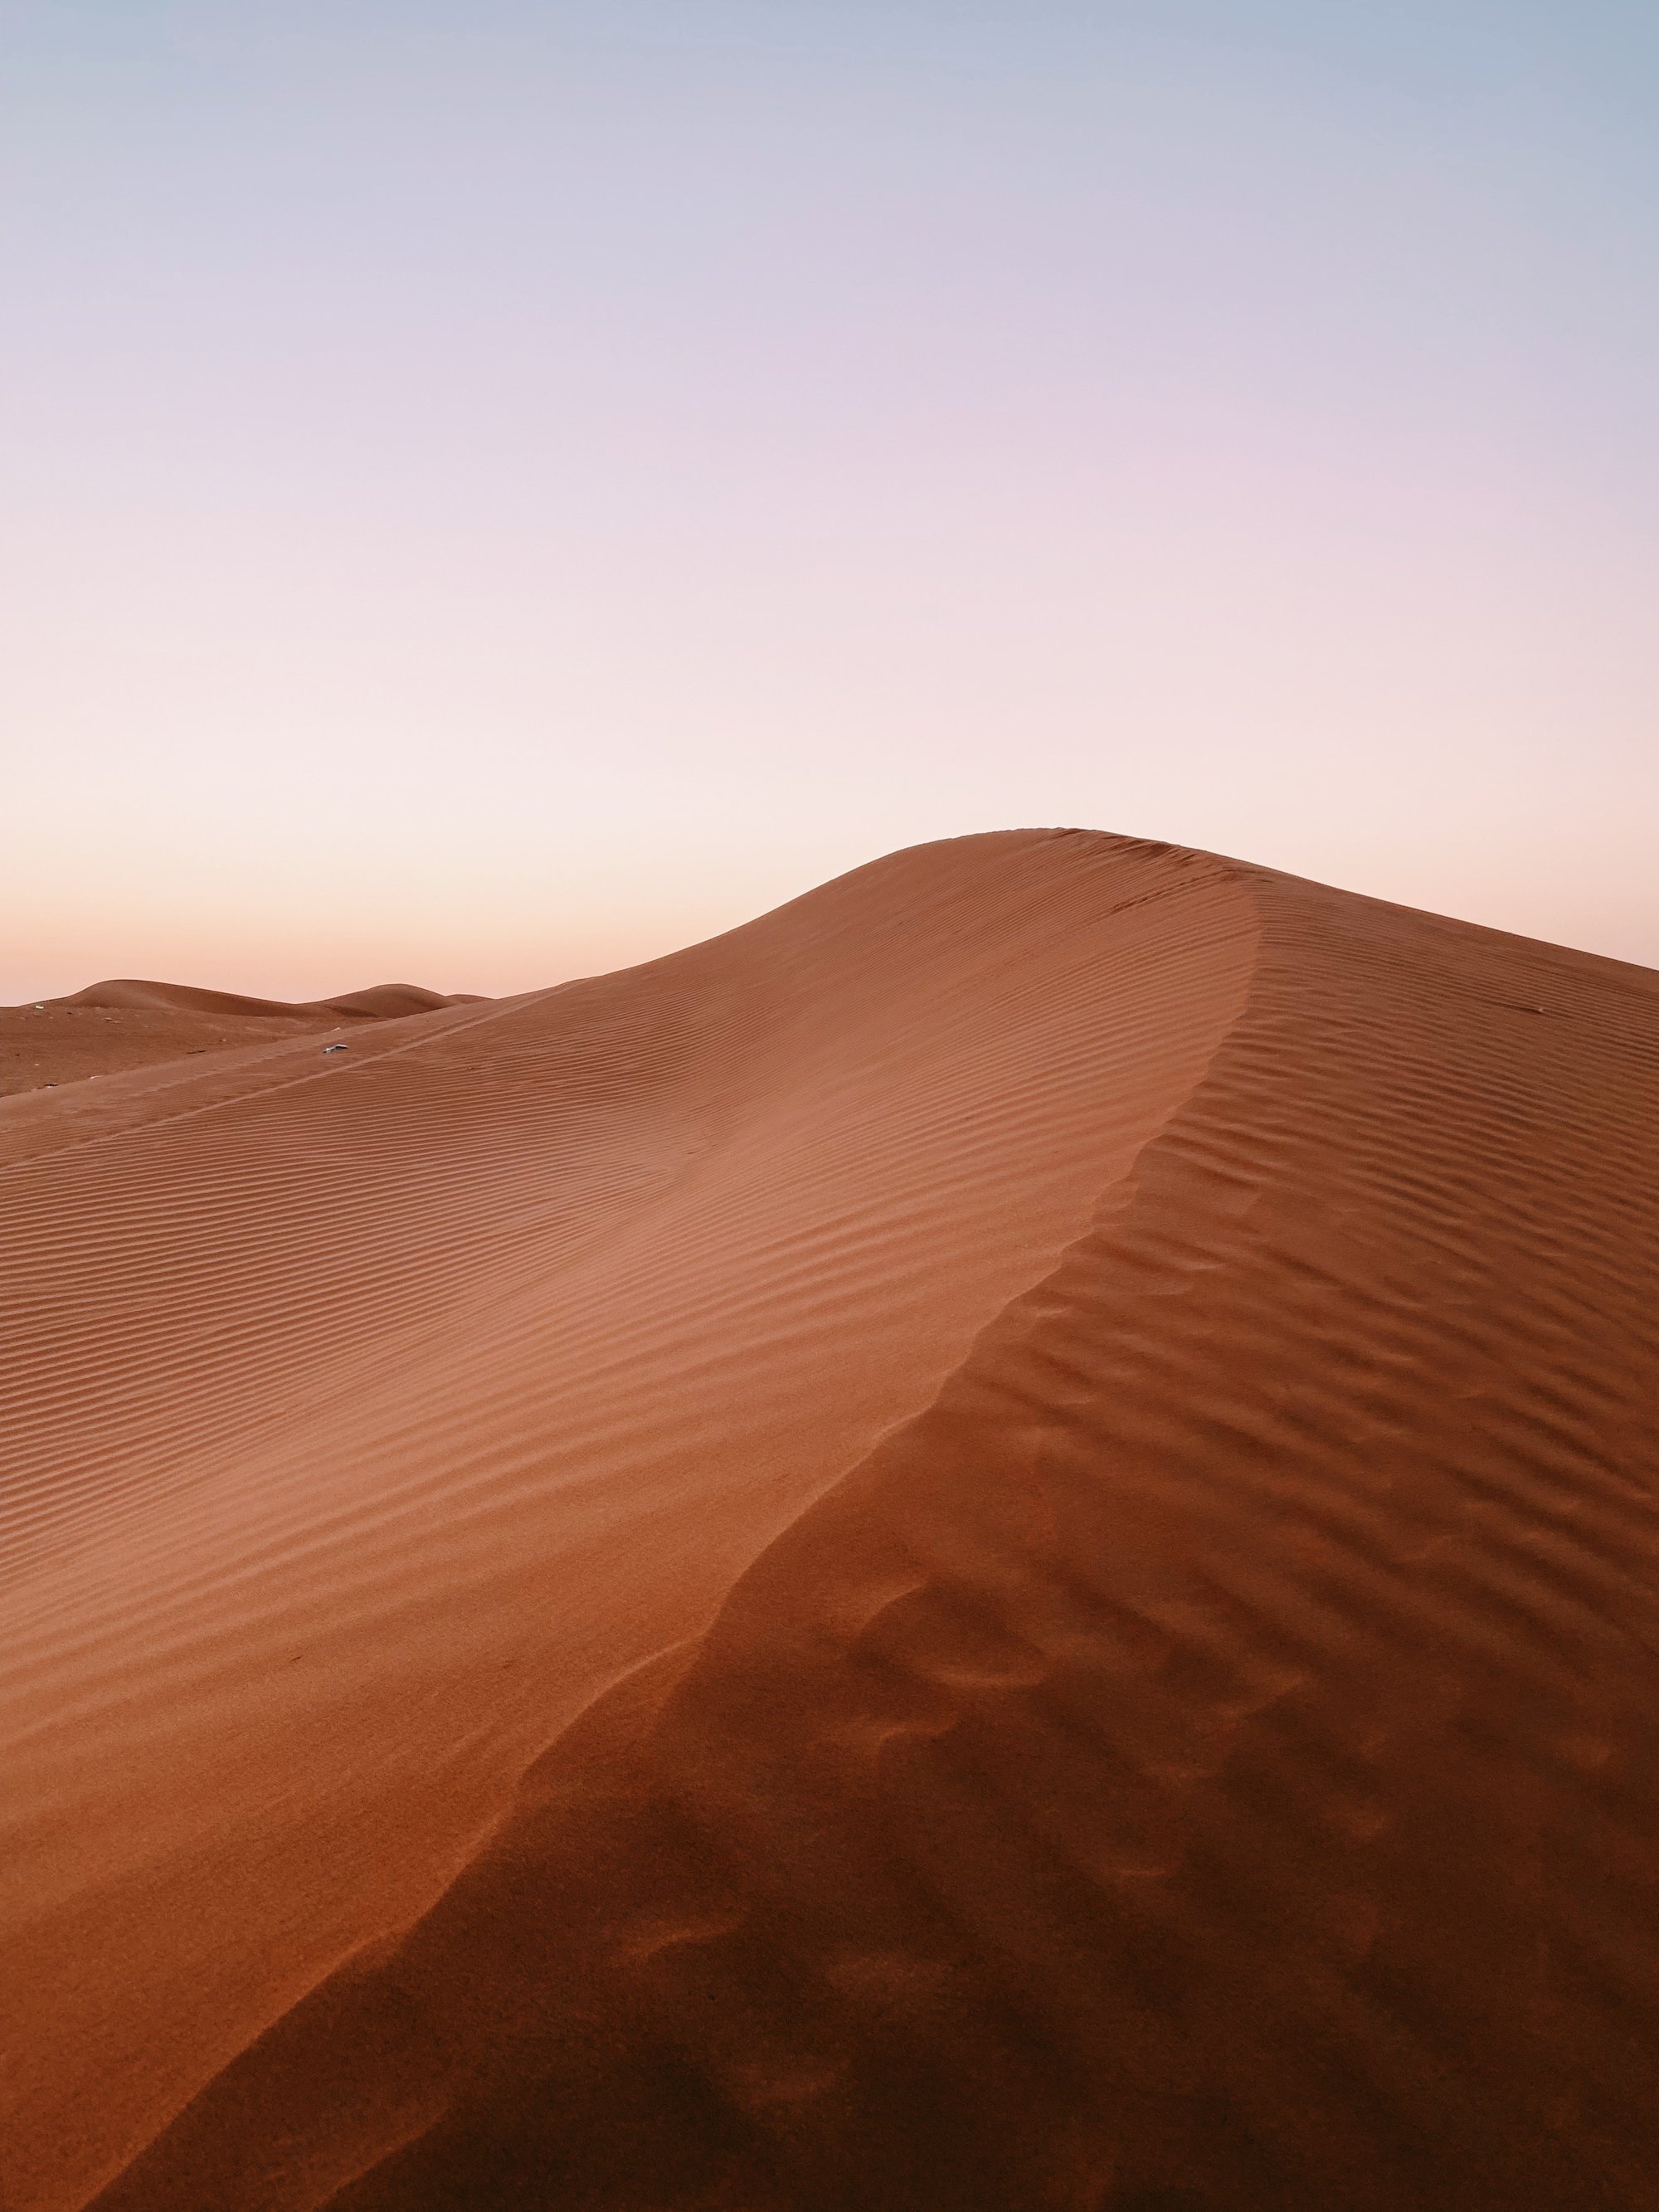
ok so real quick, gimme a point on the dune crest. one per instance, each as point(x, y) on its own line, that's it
point(989, 1544)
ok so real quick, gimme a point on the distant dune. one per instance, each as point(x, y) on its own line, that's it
point(129, 1024)
point(991, 1544)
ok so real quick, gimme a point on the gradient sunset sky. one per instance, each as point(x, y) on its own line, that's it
point(492, 492)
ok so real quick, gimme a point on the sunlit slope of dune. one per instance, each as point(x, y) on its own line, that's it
point(368, 1417)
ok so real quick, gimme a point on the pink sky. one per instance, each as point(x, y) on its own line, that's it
point(493, 494)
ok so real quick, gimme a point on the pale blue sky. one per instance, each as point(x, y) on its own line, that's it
point(493, 491)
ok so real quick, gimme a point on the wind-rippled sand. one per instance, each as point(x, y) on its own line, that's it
point(991, 1544)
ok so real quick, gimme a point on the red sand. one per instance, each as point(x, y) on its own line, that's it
point(991, 1544)
point(133, 1024)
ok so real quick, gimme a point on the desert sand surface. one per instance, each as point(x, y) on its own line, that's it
point(129, 1024)
point(990, 1544)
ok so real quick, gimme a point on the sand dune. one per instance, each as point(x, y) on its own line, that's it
point(129, 1023)
point(990, 1544)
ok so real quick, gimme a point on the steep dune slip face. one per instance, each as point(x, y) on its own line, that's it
point(370, 1419)
point(990, 1545)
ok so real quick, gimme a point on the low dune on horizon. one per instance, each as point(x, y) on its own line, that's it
point(127, 1023)
point(986, 1546)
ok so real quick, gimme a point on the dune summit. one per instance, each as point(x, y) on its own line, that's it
point(990, 1544)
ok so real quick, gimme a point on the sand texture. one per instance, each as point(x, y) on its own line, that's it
point(127, 1023)
point(991, 1544)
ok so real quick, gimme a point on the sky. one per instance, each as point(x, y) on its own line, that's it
point(492, 492)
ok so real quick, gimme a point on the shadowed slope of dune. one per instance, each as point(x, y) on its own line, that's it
point(128, 1023)
point(372, 1417)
